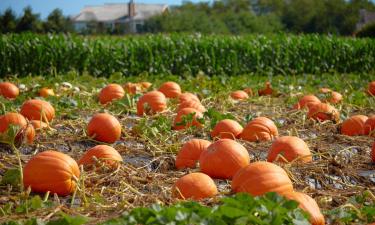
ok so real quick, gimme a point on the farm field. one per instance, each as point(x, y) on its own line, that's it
point(340, 177)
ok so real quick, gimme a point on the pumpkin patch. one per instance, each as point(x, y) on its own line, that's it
point(195, 186)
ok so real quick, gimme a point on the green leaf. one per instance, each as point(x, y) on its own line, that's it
point(11, 177)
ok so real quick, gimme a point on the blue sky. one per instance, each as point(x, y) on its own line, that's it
point(69, 7)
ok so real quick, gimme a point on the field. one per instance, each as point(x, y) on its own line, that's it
point(340, 178)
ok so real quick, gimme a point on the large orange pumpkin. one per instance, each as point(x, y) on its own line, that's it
point(267, 90)
point(192, 104)
point(46, 92)
point(9, 90)
point(290, 148)
point(371, 88)
point(309, 205)
point(184, 113)
point(37, 109)
point(223, 159)
point(187, 96)
point(51, 171)
point(170, 89)
point(370, 126)
point(261, 177)
point(194, 186)
point(355, 125)
point(104, 127)
point(151, 102)
point(38, 125)
point(260, 129)
point(306, 101)
point(227, 128)
point(111, 92)
point(15, 119)
point(323, 111)
point(105, 153)
point(239, 95)
point(190, 152)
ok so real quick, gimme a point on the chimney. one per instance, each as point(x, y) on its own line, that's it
point(131, 8)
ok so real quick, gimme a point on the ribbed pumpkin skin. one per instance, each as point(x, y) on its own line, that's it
point(38, 124)
point(51, 171)
point(106, 153)
point(267, 90)
point(46, 92)
point(227, 128)
point(9, 90)
point(239, 95)
point(190, 152)
point(194, 186)
point(309, 205)
point(111, 92)
point(370, 126)
point(323, 112)
point(33, 109)
point(185, 112)
point(17, 120)
point(355, 125)
point(170, 89)
point(187, 96)
point(261, 177)
point(306, 101)
point(104, 127)
point(371, 88)
point(223, 159)
point(154, 99)
point(192, 104)
point(259, 129)
point(290, 148)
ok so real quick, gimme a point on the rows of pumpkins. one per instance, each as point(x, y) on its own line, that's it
point(224, 158)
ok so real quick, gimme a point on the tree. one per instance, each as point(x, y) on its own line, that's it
point(56, 22)
point(8, 21)
point(29, 21)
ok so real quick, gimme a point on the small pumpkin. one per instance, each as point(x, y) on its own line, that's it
point(170, 89)
point(36, 109)
point(151, 102)
point(259, 129)
point(9, 90)
point(239, 95)
point(335, 97)
point(105, 153)
point(307, 204)
point(290, 148)
point(355, 125)
point(370, 126)
point(227, 128)
point(267, 90)
point(306, 101)
point(46, 92)
point(190, 152)
point(145, 85)
point(249, 91)
point(130, 88)
point(187, 96)
point(192, 104)
point(184, 114)
point(111, 92)
point(323, 112)
point(196, 186)
point(104, 127)
point(51, 171)
point(26, 131)
point(260, 177)
point(223, 159)
point(38, 125)
point(371, 88)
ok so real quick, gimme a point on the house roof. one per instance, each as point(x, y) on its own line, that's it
point(112, 12)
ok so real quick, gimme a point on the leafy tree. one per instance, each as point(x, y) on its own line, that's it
point(29, 21)
point(56, 22)
point(8, 21)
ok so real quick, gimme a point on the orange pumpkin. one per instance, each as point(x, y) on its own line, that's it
point(184, 113)
point(323, 111)
point(335, 97)
point(192, 104)
point(325, 90)
point(111, 92)
point(290, 148)
point(355, 125)
point(190, 152)
point(104, 127)
point(249, 91)
point(36, 109)
point(170, 89)
point(9, 90)
point(186, 96)
point(227, 128)
point(105, 153)
point(261, 177)
point(370, 126)
point(145, 85)
point(196, 186)
point(260, 129)
point(373, 153)
point(239, 95)
point(15, 119)
point(51, 171)
point(130, 88)
point(267, 90)
point(371, 88)
point(46, 92)
point(306, 101)
point(307, 204)
point(38, 125)
point(151, 102)
point(223, 159)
